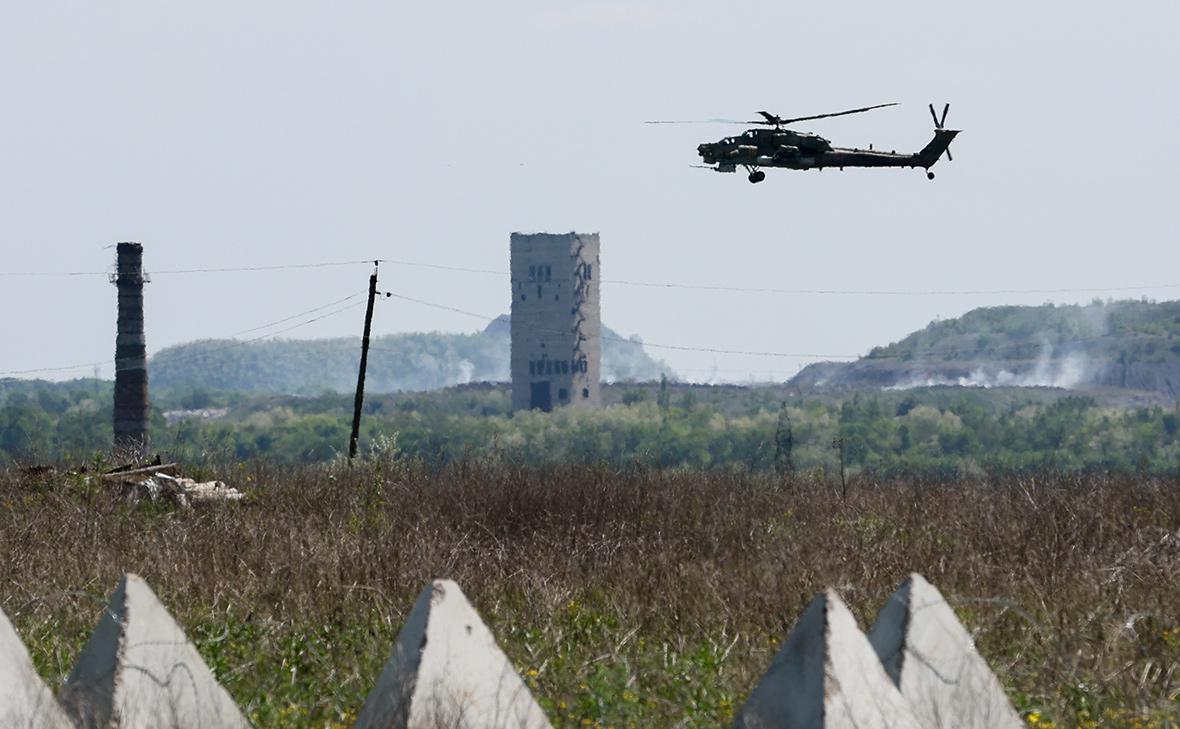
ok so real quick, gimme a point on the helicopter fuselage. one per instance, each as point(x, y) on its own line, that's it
point(778, 147)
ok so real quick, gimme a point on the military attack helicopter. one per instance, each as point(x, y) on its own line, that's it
point(773, 145)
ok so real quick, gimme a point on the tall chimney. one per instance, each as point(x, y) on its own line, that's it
point(131, 383)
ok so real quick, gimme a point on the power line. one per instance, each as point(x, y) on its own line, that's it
point(654, 345)
point(443, 267)
point(276, 267)
point(67, 368)
point(294, 316)
point(721, 288)
point(305, 323)
point(37, 274)
point(884, 292)
point(812, 292)
point(175, 271)
point(917, 357)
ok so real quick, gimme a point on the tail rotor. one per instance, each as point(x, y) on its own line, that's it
point(940, 123)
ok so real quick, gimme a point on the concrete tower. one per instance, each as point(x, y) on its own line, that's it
point(556, 325)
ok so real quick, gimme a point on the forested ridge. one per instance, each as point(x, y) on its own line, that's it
point(1131, 345)
point(397, 362)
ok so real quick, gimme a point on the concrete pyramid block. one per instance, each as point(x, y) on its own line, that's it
point(139, 671)
point(931, 658)
point(826, 677)
point(446, 672)
point(25, 701)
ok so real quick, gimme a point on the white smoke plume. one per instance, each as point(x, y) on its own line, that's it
point(466, 370)
point(1066, 372)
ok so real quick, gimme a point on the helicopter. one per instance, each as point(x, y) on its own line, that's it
point(773, 145)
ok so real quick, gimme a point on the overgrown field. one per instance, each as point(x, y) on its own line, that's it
point(627, 597)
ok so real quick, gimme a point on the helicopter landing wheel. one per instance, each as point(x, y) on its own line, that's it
point(929, 175)
point(757, 176)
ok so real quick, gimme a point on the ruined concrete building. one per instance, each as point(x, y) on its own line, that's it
point(556, 325)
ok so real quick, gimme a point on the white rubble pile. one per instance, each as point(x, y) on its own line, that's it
point(179, 490)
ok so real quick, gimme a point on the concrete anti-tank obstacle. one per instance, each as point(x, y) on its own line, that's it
point(931, 658)
point(25, 701)
point(826, 676)
point(447, 672)
point(139, 671)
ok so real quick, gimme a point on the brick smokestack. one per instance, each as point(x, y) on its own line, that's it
point(131, 383)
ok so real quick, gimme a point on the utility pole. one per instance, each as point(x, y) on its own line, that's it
point(838, 444)
point(360, 377)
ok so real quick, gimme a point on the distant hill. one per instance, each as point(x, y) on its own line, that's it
point(1132, 345)
point(399, 362)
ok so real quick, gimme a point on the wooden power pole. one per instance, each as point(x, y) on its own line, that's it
point(360, 377)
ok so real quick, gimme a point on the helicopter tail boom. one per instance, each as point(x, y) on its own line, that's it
point(934, 150)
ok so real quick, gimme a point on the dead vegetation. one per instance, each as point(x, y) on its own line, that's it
point(630, 598)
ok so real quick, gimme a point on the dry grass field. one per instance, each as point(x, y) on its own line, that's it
point(627, 598)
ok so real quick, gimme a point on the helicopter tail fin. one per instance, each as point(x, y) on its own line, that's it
point(932, 152)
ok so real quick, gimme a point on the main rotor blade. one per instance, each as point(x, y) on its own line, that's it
point(934, 116)
point(942, 121)
point(838, 113)
point(696, 121)
point(949, 158)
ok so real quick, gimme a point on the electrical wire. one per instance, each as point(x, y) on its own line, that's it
point(918, 357)
point(884, 292)
point(313, 320)
point(66, 368)
point(38, 274)
point(295, 316)
point(443, 267)
point(227, 345)
point(721, 288)
point(813, 292)
point(175, 271)
point(277, 267)
point(654, 345)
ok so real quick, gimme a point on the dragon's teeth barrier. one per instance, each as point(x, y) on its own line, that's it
point(918, 669)
point(25, 701)
point(447, 671)
point(826, 675)
point(139, 671)
point(931, 658)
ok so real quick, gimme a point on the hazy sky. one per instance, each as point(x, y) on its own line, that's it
point(226, 134)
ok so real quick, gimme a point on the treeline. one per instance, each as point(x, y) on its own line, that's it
point(943, 431)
